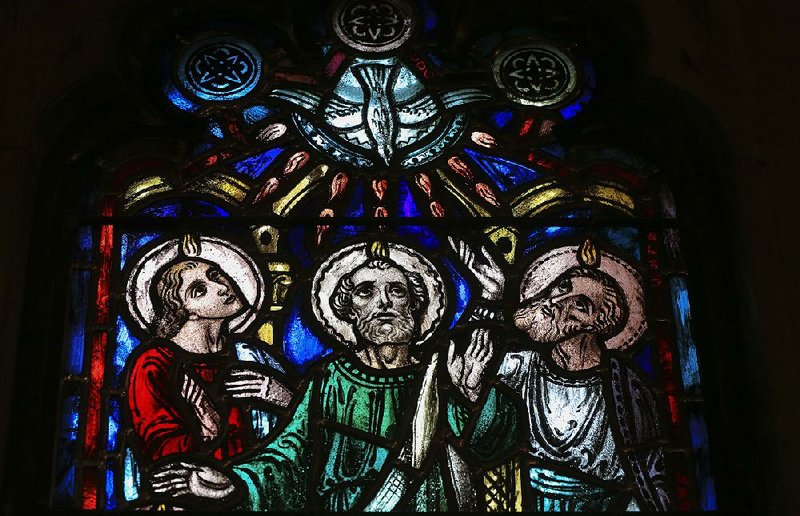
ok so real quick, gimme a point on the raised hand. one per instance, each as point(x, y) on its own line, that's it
point(487, 271)
point(210, 420)
point(251, 383)
point(467, 371)
point(185, 478)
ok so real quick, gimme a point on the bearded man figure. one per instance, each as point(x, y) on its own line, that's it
point(594, 425)
point(364, 431)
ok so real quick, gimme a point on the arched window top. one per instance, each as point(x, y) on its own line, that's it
point(334, 195)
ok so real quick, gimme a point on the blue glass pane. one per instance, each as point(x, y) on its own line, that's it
point(644, 359)
point(407, 207)
point(623, 239)
point(111, 495)
point(702, 460)
point(180, 101)
point(687, 352)
point(300, 345)
point(113, 422)
point(463, 292)
point(502, 118)
point(202, 208)
point(505, 174)
point(355, 208)
point(166, 210)
point(132, 242)
point(185, 208)
point(76, 321)
point(214, 129)
point(541, 236)
point(297, 244)
point(580, 103)
point(256, 114)
point(576, 107)
point(65, 488)
point(83, 253)
point(435, 59)
point(254, 166)
point(126, 343)
point(201, 148)
point(431, 18)
point(67, 436)
point(556, 151)
point(131, 478)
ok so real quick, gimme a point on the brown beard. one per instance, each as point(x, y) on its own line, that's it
point(541, 327)
point(398, 331)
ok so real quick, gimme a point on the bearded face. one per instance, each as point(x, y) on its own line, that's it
point(566, 308)
point(381, 306)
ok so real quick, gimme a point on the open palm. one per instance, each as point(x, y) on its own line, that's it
point(185, 478)
point(486, 270)
point(467, 371)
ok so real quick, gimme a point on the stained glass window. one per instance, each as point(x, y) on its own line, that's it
point(382, 276)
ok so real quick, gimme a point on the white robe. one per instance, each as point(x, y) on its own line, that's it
point(568, 417)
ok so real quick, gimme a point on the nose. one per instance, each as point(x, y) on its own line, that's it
point(385, 301)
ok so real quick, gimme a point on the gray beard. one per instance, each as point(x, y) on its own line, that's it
point(399, 331)
point(542, 328)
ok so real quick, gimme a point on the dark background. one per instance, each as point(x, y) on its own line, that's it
point(715, 83)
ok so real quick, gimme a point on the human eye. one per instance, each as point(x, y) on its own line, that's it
point(198, 291)
point(583, 305)
point(364, 291)
point(397, 290)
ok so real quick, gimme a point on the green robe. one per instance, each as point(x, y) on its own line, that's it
point(351, 403)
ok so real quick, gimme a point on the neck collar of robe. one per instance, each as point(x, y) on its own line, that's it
point(357, 371)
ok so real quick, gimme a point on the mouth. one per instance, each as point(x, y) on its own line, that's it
point(229, 300)
point(548, 311)
point(385, 316)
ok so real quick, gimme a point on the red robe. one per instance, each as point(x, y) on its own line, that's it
point(163, 421)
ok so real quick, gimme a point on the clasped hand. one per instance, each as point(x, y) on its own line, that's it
point(185, 478)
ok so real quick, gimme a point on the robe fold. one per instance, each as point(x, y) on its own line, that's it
point(164, 423)
point(362, 416)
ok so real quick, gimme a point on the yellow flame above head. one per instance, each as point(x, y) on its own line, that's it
point(190, 245)
point(378, 249)
point(588, 255)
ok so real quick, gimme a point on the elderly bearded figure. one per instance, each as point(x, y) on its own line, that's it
point(363, 431)
point(579, 307)
point(383, 303)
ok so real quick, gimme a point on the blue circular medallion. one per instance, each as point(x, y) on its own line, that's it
point(220, 68)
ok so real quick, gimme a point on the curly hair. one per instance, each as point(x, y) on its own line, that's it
point(614, 311)
point(169, 310)
point(342, 297)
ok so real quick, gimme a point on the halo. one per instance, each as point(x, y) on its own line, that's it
point(234, 262)
point(350, 258)
point(545, 269)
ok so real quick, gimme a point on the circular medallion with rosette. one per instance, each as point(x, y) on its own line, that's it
point(220, 68)
point(373, 25)
point(536, 74)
